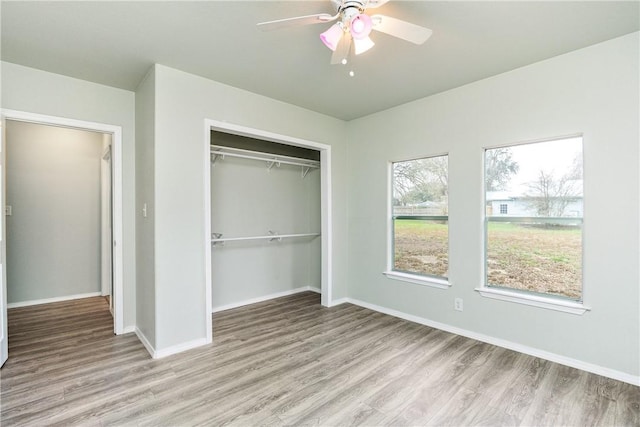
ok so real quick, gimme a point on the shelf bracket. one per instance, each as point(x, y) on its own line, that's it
point(275, 236)
point(215, 157)
point(305, 171)
point(273, 163)
point(214, 237)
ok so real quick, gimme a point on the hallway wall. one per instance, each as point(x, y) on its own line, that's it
point(53, 234)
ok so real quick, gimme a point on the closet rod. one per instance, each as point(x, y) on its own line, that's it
point(218, 150)
point(269, 237)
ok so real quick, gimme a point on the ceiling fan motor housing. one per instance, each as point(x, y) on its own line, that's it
point(348, 10)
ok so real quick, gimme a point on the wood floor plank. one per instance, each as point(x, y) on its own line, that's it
point(446, 376)
point(518, 396)
point(286, 362)
point(627, 405)
point(559, 391)
point(460, 409)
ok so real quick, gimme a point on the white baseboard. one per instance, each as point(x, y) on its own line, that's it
point(159, 354)
point(145, 342)
point(128, 329)
point(179, 348)
point(264, 298)
point(552, 357)
point(50, 300)
point(339, 301)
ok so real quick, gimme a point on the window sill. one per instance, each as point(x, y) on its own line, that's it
point(433, 282)
point(534, 300)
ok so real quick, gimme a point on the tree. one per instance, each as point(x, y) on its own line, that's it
point(499, 166)
point(406, 176)
point(438, 175)
point(421, 180)
point(550, 195)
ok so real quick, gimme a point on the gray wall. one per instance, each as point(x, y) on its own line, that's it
point(35, 91)
point(247, 199)
point(594, 91)
point(54, 233)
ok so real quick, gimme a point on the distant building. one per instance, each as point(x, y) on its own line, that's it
point(504, 203)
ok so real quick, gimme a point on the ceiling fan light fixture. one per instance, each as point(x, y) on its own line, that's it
point(332, 36)
point(360, 26)
point(351, 27)
point(362, 45)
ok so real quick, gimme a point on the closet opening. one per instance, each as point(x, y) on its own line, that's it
point(268, 218)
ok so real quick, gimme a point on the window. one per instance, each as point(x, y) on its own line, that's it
point(537, 248)
point(420, 218)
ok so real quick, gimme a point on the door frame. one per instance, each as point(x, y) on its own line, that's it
point(4, 337)
point(326, 222)
point(106, 235)
point(116, 207)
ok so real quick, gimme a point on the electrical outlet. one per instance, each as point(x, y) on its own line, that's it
point(8, 210)
point(457, 304)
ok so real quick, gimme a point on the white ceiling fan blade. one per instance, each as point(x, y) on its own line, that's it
point(342, 50)
point(402, 29)
point(297, 21)
point(372, 4)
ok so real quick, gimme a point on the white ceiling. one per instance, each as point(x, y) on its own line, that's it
point(115, 43)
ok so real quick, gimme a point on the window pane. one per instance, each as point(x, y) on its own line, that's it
point(420, 221)
point(421, 246)
point(542, 258)
point(534, 208)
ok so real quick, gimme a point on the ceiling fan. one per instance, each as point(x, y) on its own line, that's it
point(353, 26)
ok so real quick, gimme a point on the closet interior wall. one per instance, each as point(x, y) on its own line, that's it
point(249, 199)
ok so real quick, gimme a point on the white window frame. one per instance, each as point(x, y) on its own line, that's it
point(550, 302)
point(418, 279)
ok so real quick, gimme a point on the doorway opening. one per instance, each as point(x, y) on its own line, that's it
point(67, 213)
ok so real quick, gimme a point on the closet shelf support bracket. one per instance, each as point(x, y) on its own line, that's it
point(215, 156)
point(273, 163)
point(275, 236)
point(216, 239)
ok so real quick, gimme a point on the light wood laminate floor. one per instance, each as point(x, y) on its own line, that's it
point(289, 361)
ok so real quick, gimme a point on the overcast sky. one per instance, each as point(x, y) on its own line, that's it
point(552, 156)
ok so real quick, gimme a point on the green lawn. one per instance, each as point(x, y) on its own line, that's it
point(531, 258)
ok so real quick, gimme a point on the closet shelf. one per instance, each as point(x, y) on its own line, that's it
point(218, 151)
point(272, 236)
